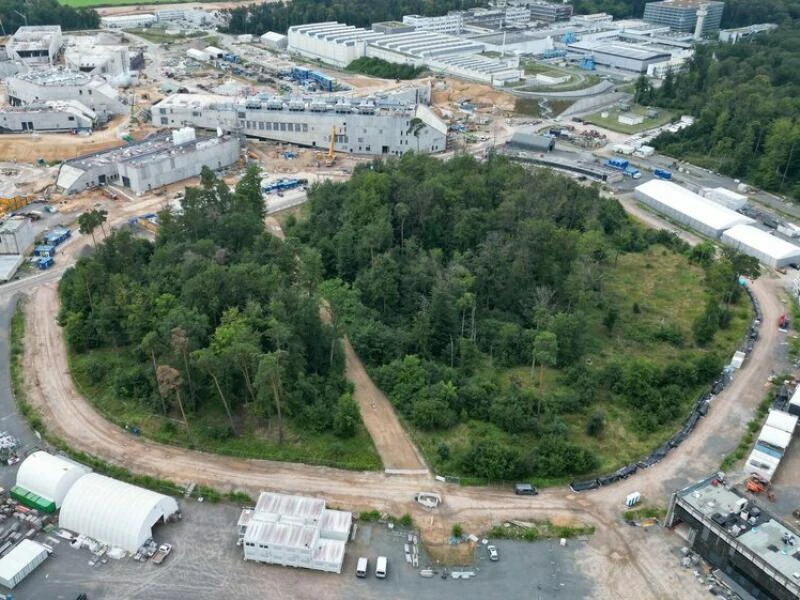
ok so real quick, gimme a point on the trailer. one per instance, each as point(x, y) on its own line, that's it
point(618, 164)
point(662, 174)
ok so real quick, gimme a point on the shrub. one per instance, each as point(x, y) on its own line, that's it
point(457, 531)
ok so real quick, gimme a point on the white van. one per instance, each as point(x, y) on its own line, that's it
point(362, 567)
point(380, 567)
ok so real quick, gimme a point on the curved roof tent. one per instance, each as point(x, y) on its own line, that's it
point(49, 476)
point(113, 512)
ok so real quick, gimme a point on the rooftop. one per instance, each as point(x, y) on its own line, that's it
point(281, 534)
point(771, 540)
point(56, 77)
point(12, 224)
point(685, 3)
point(621, 50)
point(273, 506)
point(763, 241)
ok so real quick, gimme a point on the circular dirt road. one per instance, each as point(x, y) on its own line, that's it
point(623, 562)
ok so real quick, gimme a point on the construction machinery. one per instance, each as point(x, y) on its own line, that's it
point(757, 485)
point(330, 158)
point(11, 204)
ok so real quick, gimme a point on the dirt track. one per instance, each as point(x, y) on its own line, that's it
point(624, 562)
point(391, 440)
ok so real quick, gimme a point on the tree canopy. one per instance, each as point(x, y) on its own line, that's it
point(477, 291)
point(218, 318)
point(45, 12)
point(746, 98)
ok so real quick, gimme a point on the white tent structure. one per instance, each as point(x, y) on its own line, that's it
point(768, 249)
point(49, 476)
point(689, 208)
point(113, 512)
point(20, 562)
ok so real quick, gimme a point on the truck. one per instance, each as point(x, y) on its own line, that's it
point(633, 173)
point(161, 554)
point(662, 174)
point(619, 164)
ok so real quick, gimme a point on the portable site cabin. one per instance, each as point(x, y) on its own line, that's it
point(20, 562)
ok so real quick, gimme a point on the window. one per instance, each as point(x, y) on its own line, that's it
point(305, 127)
point(283, 126)
point(275, 127)
point(162, 111)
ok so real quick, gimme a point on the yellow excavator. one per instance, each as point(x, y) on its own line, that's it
point(330, 158)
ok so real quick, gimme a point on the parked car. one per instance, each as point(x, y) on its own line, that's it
point(493, 554)
point(525, 489)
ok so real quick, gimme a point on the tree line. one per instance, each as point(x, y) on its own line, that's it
point(279, 16)
point(16, 13)
point(217, 316)
point(377, 67)
point(746, 100)
point(452, 277)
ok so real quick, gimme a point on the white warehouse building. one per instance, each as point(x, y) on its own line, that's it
point(358, 127)
point(49, 476)
point(686, 207)
point(113, 512)
point(295, 531)
point(768, 249)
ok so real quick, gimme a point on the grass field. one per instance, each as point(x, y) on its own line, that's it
point(208, 430)
point(668, 291)
point(610, 122)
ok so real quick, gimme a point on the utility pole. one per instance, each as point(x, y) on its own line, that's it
point(3, 29)
point(23, 16)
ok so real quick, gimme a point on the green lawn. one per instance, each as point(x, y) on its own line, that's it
point(208, 430)
point(611, 122)
point(668, 290)
point(159, 36)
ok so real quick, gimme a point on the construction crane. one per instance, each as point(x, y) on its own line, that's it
point(330, 158)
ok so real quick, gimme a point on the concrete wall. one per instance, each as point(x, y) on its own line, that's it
point(42, 120)
point(330, 52)
point(356, 133)
point(180, 164)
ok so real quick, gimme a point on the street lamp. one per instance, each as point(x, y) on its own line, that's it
point(23, 16)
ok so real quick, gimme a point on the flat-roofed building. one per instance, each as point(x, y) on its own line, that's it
point(751, 548)
point(294, 531)
point(682, 15)
point(36, 44)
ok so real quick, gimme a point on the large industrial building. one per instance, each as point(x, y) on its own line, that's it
point(295, 531)
point(752, 550)
point(451, 24)
point(768, 249)
point(150, 164)
point(35, 44)
point(620, 55)
point(688, 208)
point(59, 84)
point(69, 115)
point(683, 15)
point(549, 12)
point(49, 476)
point(114, 512)
point(339, 45)
point(359, 127)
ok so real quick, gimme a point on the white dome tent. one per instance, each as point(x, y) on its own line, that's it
point(113, 512)
point(49, 476)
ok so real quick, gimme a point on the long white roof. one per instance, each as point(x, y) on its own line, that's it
point(693, 205)
point(49, 476)
point(782, 420)
point(113, 512)
point(25, 553)
point(761, 241)
point(775, 437)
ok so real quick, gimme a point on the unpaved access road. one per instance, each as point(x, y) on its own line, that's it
point(624, 562)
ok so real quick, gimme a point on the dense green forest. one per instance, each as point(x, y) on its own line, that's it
point(520, 322)
point(737, 12)
point(377, 67)
point(279, 16)
point(212, 336)
point(45, 12)
point(746, 98)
